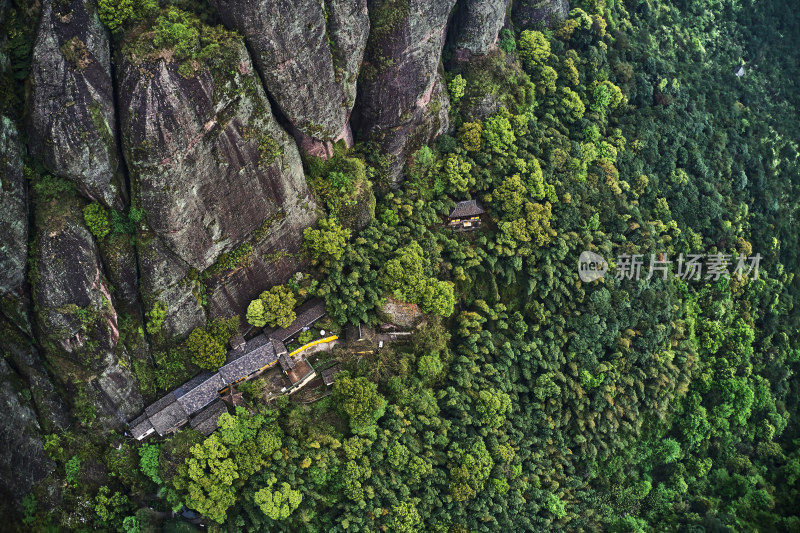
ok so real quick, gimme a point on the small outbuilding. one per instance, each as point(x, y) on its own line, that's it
point(466, 215)
point(329, 375)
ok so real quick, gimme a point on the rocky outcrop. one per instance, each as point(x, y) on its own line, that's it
point(165, 279)
point(72, 126)
point(477, 23)
point(23, 357)
point(526, 13)
point(13, 227)
point(402, 102)
point(23, 462)
point(308, 53)
point(213, 171)
point(77, 320)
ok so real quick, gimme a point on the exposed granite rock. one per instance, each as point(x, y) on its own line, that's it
point(23, 462)
point(402, 100)
point(13, 227)
point(308, 53)
point(526, 13)
point(72, 125)
point(119, 258)
point(77, 321)
point(25, 359)
point(213, 170)
point(348, 26)
point(477, 23)
point(165, 279)
point(272, 262)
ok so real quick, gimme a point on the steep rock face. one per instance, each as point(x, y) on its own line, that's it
point(13, 226)
point(75, 309)
point(477, 24)
point(72, 126)
point(165, 279)
point(213, 171)
point(308, 53)
point(26, 361)
point(23, 461)
point(402, 99)
point(526, 13)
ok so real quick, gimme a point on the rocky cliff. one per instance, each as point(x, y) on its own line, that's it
point(308, 53)
point(72, 125)
point(192, 139)
point(23, 461)
point(529, 12)
point(402, 102)
point(77, 322)
point(212, 170)
point(13, 226)
point(477, 23)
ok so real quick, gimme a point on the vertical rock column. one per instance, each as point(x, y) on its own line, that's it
point(402, 101)
point(72, 126)
point(308, 53)
point(477, 24)
point(13, 227)
point(213, 171)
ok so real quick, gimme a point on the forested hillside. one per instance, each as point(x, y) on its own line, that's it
point(179, 173)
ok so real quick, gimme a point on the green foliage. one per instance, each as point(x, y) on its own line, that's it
point(110, 507)
point(456, 88)
point(404, 276)
point(405, 518)
point(534, 48)
point(207, 352)
point(156, 317)
point(358, 399)
point(280, 503)
point(572, 105)
point(236, 258)
point(47, 188)
point(213, 468)
point(493, 405)
point(305, 337)
point(274, 307)
point(339, 181)
point(72, 468)
point(471, 135)
point(556, 506)
point(327, 242)
point(117, 13)
point(545, 403)
point(457, 174)
point(498, 135)
point(29, 505)
point(468, 477)
point(97, 219)
point(131, 524)
point(506, 41)
point(148, 461)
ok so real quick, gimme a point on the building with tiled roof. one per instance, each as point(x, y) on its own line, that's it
point(199, 398)
point(166, 415)
point(466, 209)
point(258, 354)
point(329, 374)
point(206, 420)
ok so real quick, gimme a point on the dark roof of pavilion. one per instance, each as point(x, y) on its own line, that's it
point(467, 208)
point(206, 420)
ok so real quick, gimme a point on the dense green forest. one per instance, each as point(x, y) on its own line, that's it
point(529, 400)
